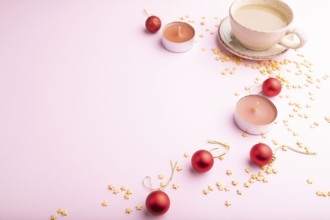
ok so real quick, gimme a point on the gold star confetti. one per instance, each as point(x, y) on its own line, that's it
point(211, 188)
point(234, 183)
point(129, 192)
point(244, 134)
point(111, 187)
point(228, 172)
point(104, 203)
point(62, 212)
point(127, 196)
point(247, 170)
point(138, 207)
point(226, 188)
point(239, 192)
point(309, 181)
point(160, 176)
point(128, 210)
point(53, 217)
point(115, 191)
point(175, 186)
point(247, 184)
point(122, 188)
point(178, 168)
point(227, 203)
point(186, 155)
point(206, 192)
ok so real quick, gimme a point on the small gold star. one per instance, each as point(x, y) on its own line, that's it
point(186, 155)
point(104, 203)
point(53, 217)
point(175, 186)
point(128, 210)
point(138, 207)
point(227, 203)
point(178, 168)
point(309, 181)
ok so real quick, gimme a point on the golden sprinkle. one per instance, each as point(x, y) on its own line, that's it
point(239, 192)
point(206, 192)
point(53, 217)
point(162, 184)
point(111, 187)
point(211, 188)
point(226, 188)
point(128, 210)
point(186, 155)
point(234, 183)
point(178, 168)
point(160, 176)
point(115, 191)
point(123, 188)
point(138, 207)
point(247, 184)
point(218, 184)
point(237, 94)
point(62, 212)
point(175, 186)
point(309, 181)
point(129, 192)
point(247, 170)
point(127, 196)
point(201, 35)
point(244, 134)
point(104, 203)
point(202, 23)
point(227, 203)
point(229, 172)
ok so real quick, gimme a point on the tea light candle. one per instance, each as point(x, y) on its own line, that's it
point(255, 114)
point(178, 37)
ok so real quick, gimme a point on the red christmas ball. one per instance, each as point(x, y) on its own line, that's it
point(272, 87)
point(153, 24)
point(157, 203)
point(261, 154)
point(202, 161)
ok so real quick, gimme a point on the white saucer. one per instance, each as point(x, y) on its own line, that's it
point(228, 41)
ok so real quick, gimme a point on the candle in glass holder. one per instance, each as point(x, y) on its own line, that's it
point(255, 114)
point(178, 37)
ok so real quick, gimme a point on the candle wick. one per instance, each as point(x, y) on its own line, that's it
point(179, 31)
point(256, 107)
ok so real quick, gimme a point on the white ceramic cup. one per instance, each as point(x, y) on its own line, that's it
point(257, 32)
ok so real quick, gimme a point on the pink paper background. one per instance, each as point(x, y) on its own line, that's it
point(89, 98)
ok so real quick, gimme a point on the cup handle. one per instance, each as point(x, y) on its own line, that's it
point(290, 43)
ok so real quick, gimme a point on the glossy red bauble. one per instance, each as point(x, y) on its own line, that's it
point(202, 161)
point(261, 154)
point(153, 24)
point(157, 203)
point(272, 87)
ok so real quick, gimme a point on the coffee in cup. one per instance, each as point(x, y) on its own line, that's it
point(261, 24)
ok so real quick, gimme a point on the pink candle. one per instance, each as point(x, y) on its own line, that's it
point(178, 37)
point(255, 114)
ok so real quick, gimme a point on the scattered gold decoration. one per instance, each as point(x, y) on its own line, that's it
point(62, 212)
point(138, 207)
point(53, 217)
point(227, 203)
point(104, 203)
point(309, 181)
point(128, 210)
point(175, 186)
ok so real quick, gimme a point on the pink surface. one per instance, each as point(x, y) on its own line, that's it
point(89, 98)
